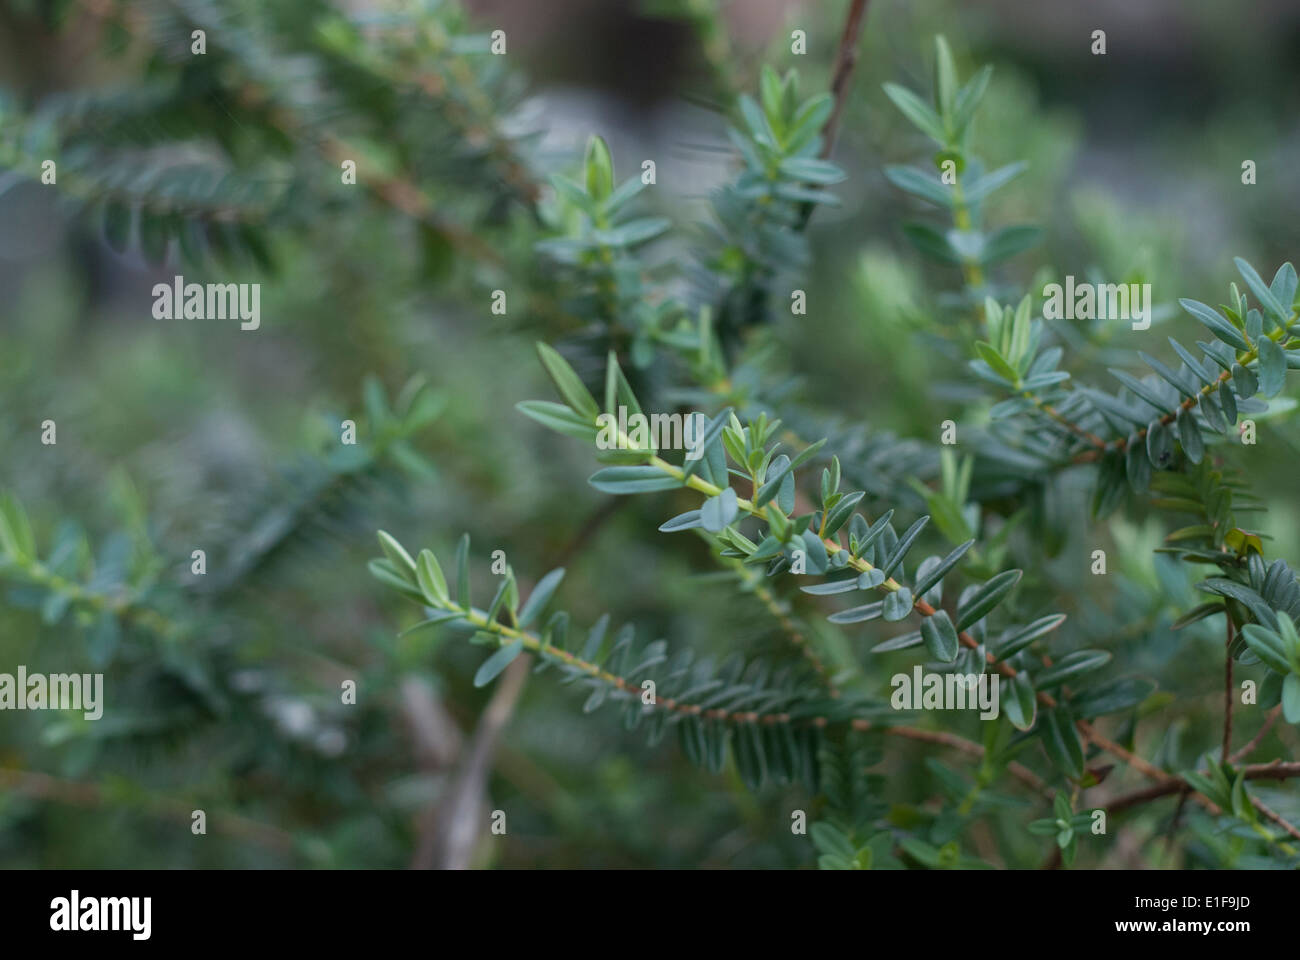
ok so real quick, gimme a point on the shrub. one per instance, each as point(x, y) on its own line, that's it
point(1063, 521)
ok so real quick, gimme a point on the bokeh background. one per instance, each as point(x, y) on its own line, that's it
point(177, 435)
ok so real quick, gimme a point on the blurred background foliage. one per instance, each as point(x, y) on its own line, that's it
point(182, 435)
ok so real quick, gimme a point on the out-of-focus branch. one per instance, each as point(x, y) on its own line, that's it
point(438, 742)
point(450, 844)
point(845, 60)
point(463, 813)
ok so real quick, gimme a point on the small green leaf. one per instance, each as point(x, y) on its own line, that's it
point(541, 594)
point(807, 169)
point(1136, 465)
point(981, 188)
point(1261, 290)
point(1061, 741)
point(1272, 367)
point(506, 595)
point(832, 587)
point(432, 582)
point(1244, 379)
point(719, 511)
point(988, 596)
point(1268, 647)
point(1211, 789)
point(808, 121)
point(969, 97)
point(940, 636)
point(568, 383)
point(815, 551)
point(1184, 387)
point(904, 544)
point(384, 572)
point(828, 839)
point(1190, 435)
point(1284, 286)
point(600, 169)
point(702, 441)
point(626, 480)
point(1143, 391)
point(1073, 664)
point(560, 418)
point(624, 192)
point(633, 232)
point(1229, 402)
point(1009, 241)
point(1219, 326)
point(917, 111)
point(869, 611)
point(773, 482)
point(1017, 638)
point(1160, 444)
point(931, 570)
point(397, 556)
point(494, 664)
point(870, 579)
point(443, 617)
point(932, 242)
point(840, 513)
point(1241, 805)
point(920, 184)
point(945, 78)
point(16, 537)
point(1120, 694)
point(897, 604)
point(995, 360)
point(689, 520)
point(1239, 592)
point(1022, 705)
point(1291, 698)
point(1201, 611)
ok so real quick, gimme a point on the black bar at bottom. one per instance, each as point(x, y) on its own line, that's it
point(338, 908)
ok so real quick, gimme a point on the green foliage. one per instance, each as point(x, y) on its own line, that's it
point(962, 185)
point(760, 215)
point(839, 543)
point(217, 153)
point(768, 719)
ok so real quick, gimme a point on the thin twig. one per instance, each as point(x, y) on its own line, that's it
point(1142, 766)
point(1022, 773)
point(1275, 817)
point(464, 813)
point(438, 744)
point(1283, 339)
point(845, 60)
point(460, 815)
point(842, 73)
point(1063, 420)
point(1277, 770)
point(1258, 737)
